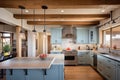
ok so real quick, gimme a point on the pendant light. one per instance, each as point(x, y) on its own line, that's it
point(22, 8)
point(44, 30)
point(44, 8)
point(34, 30)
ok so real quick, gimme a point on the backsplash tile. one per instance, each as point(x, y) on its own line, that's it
point(71, 44)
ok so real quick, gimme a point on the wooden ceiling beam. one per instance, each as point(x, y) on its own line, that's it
point(58, 16)
point(55, 4)
point(85, 23)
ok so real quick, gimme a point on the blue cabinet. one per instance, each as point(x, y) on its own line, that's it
point(82, 35)
point(16, 74)
point(55, 52)
point(107, 67)
point(118, 71)
point(93, 35)
point(56, 35)
point(56, 72)
point(83, 58)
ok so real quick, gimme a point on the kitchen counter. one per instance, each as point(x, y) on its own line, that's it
point(56, 50)
point(27, 63)
point(25, 68)
point(111, 56)
point(59, 58)
point(83, 50)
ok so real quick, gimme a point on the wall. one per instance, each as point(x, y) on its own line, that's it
point(116, 13)
point(7, 28)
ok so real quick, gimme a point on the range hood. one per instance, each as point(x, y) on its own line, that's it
point(68, 32)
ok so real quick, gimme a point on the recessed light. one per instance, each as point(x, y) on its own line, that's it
point(103, 10)
point(62, 11)
point(39, 19)
point(26, 11)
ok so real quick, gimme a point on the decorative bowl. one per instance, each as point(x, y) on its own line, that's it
point(43, 56)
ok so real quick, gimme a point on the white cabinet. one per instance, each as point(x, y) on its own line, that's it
point(54, 52)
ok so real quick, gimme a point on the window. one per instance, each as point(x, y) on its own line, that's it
point(106, 37)
point(5, 38)
point(116, 37)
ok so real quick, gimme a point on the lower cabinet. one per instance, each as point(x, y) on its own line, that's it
point(118, 71)
point(56, 72)
point(83, 57)
point(107, 67)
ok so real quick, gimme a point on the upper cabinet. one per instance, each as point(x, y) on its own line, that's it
point(93, 35)
point(82, 35)
point(56, 35)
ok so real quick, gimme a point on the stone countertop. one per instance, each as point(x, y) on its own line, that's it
point(111, 56)
point(56, 50)
point(83, 50)
point(59, 58)
point(27, 63)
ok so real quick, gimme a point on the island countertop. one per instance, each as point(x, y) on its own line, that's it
point(27, 63)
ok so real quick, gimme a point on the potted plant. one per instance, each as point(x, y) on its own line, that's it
point(6, 49)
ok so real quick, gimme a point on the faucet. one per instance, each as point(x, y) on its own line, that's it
point(109, 50)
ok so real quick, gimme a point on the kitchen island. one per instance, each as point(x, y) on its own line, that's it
point(34, 68)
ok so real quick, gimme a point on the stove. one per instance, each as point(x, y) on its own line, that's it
point(70, 57)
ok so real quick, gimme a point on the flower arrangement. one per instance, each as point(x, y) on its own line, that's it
point(43, 56)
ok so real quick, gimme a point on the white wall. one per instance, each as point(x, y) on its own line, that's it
point(31, 44)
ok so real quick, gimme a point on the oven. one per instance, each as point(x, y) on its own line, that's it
point(70, 57)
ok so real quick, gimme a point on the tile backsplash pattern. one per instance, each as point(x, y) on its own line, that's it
point(71, 44)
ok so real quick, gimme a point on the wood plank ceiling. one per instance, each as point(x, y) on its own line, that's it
point(69, 19)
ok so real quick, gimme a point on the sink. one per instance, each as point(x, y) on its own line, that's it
point(83, 50)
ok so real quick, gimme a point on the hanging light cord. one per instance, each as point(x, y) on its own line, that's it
point(44, 22)
point(21, 19)
point(34, 18)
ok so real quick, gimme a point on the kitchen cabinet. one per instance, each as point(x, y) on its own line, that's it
point(52, 52)
point(56, 35)
point(55, 72)
point(91, 54)
point(82, 35)
point(93, 35)
point(118, 71)
point(107, 67)
point(83, 57)
point(17, 74)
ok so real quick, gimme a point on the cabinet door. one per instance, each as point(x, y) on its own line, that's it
point(53, 73)
point(118, 71)
point(82, 35)
point(83, 58)
point(92, 35)
point(35, 74)
point(56, 35)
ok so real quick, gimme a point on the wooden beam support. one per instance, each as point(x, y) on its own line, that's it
point(59, 16)
point(86, 23)
point(55, 4)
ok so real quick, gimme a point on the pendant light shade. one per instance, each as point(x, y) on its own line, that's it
point(34, 30)
point(22, 8)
